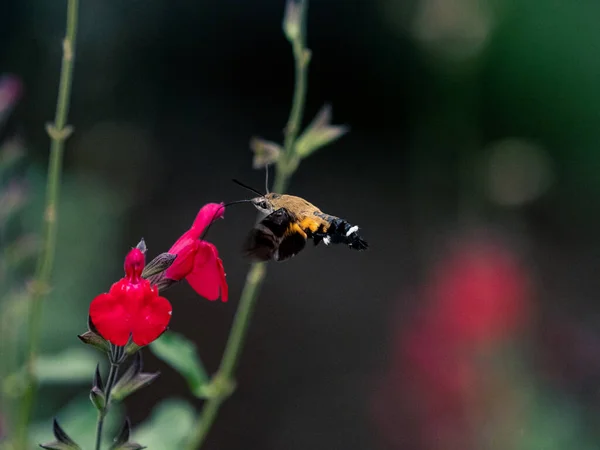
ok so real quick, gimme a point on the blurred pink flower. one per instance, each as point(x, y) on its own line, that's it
point(478, 293)
point(476, 297)
point(10, 92)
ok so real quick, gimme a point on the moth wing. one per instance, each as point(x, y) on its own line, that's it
point(292, 243)
point(263, 241)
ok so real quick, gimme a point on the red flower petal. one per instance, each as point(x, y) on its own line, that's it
point(151, 319)
point(111, 319)
point(207, 215)
point(224, 287)
point(208, 277)
point(130, 309)
point(185, 249)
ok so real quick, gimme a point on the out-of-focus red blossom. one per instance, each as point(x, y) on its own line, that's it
point(479, 293)
point(10, 91)
point(476, 297)
point(198, 261)
point(132, 307)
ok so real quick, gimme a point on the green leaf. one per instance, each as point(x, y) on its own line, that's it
point(319, 133)
point(265, 152)
point(168, 426)
point(73, 365)
point(180, 353)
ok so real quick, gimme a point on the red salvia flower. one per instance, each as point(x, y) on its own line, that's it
point(132, 307)
point(197, 260)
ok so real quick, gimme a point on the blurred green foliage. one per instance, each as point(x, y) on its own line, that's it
point(78, 419)
point(182, 354)
point(168, 425)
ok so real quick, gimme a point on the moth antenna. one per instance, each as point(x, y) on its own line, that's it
point(267, 178)
point(245, 186)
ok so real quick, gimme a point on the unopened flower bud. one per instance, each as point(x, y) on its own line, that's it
point(142, 246)
point(134, 264)
point(98, 398)
point(292, 18)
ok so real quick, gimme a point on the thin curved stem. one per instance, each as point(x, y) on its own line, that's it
point(58, 132)
point(286, 166)
point(234, 346)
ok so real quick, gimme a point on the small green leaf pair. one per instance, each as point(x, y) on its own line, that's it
point(64, 442)
point(317, 134)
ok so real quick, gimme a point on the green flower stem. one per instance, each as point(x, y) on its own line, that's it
point(112, 378)
point(288, 162)
point(254, 281)
point(59, 131)
point(286, 166)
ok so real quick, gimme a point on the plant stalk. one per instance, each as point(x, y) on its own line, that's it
point(112, 378)
point(59, 131)
point(286, 166)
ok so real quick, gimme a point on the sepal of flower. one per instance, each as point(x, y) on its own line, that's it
point(132, 308)
point(133, 379)
point(131, 348)
point(62, 440)
point(97, 396)
point(121, 442)
point(158, 265)
point(197, 260)
point(91, 337)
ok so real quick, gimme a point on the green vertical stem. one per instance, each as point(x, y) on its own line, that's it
point(286, 166)
point(58, 132)
point(112, 378)
point(288, 163)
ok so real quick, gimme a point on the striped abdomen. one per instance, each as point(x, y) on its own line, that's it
point(338, 231)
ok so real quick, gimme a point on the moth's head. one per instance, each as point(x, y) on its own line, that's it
point(263, 204)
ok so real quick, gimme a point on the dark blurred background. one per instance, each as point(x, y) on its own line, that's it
point(471, 167)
